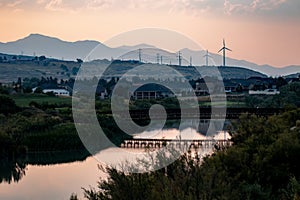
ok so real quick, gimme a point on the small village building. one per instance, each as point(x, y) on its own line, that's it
point(57, 92)
point(152, 91)
point(264, 92)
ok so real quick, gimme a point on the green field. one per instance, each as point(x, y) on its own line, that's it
point(234, 104)
point(23, 100)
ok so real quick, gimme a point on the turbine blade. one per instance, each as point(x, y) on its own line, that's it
point(228, 49)
point(224, 42)
point(221, 50)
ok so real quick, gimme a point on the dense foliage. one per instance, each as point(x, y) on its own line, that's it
point(262, 163)
point(289, 97)
point(46, 126)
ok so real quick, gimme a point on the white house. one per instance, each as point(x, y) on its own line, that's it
point(58, 92)
point(264, 92)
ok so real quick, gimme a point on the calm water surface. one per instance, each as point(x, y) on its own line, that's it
point(52, 182)
point(42, 178)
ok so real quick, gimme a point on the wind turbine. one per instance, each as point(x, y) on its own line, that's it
point(207, 56)
point(224, 48)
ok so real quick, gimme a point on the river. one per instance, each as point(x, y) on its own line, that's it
point(52, 176)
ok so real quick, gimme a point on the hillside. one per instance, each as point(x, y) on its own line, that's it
point(46, 67)
point(118, 68)
point(34, 67)
point(296, 75)
point(36, 44)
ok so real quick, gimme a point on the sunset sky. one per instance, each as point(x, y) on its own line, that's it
point(264, 32)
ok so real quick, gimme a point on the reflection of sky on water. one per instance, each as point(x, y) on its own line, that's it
point(207, 129)
point(50, 182)
point(118, 157)
point(173, 133)
point(59, 181)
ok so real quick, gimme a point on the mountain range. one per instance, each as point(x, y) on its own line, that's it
point(37, 45)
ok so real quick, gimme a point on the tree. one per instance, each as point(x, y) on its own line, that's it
point(7, 105)
point(75, 70)
point(280, 82)
point(38, 90)
point(42, 58)
point(262, 163)
point(79, 60)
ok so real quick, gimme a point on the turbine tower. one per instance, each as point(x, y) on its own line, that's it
point(207, 56)
point(224, 48)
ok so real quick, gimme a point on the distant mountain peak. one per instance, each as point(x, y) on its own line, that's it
point(142, 46)
point(37, 35)
point(34, 37)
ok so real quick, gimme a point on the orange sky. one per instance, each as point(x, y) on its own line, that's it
point(264, 32)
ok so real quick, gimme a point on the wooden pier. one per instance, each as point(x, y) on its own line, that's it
point(159, 143)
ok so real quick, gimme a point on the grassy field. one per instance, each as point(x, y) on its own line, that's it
point(24, 99)
point(234, 104)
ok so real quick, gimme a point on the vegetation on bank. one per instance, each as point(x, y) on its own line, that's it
point(262, 163)
point(40, 122)
point(26, 100)
point(36, 129)
point(289, 97)
point(44, 126)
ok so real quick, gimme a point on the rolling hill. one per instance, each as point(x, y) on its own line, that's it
point(28, 67)
point(37, 45)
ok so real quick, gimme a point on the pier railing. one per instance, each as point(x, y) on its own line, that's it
point(159, 143)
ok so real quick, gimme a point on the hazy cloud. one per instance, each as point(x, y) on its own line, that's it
point(14, 3)
point(276, 8)
point(97, 4)
point(40, 1)
point(279, 8)
point(233, 6)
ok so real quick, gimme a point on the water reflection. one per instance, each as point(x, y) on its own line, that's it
point(207, 129)
point(14, 169)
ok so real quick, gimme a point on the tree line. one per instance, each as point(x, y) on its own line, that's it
point(262, 163)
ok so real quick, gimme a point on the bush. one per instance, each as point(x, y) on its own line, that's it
point(7, 105)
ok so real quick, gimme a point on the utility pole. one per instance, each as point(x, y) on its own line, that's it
point(140, 55)
point(191, 61)
point(179, 58)
point(207, 56)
